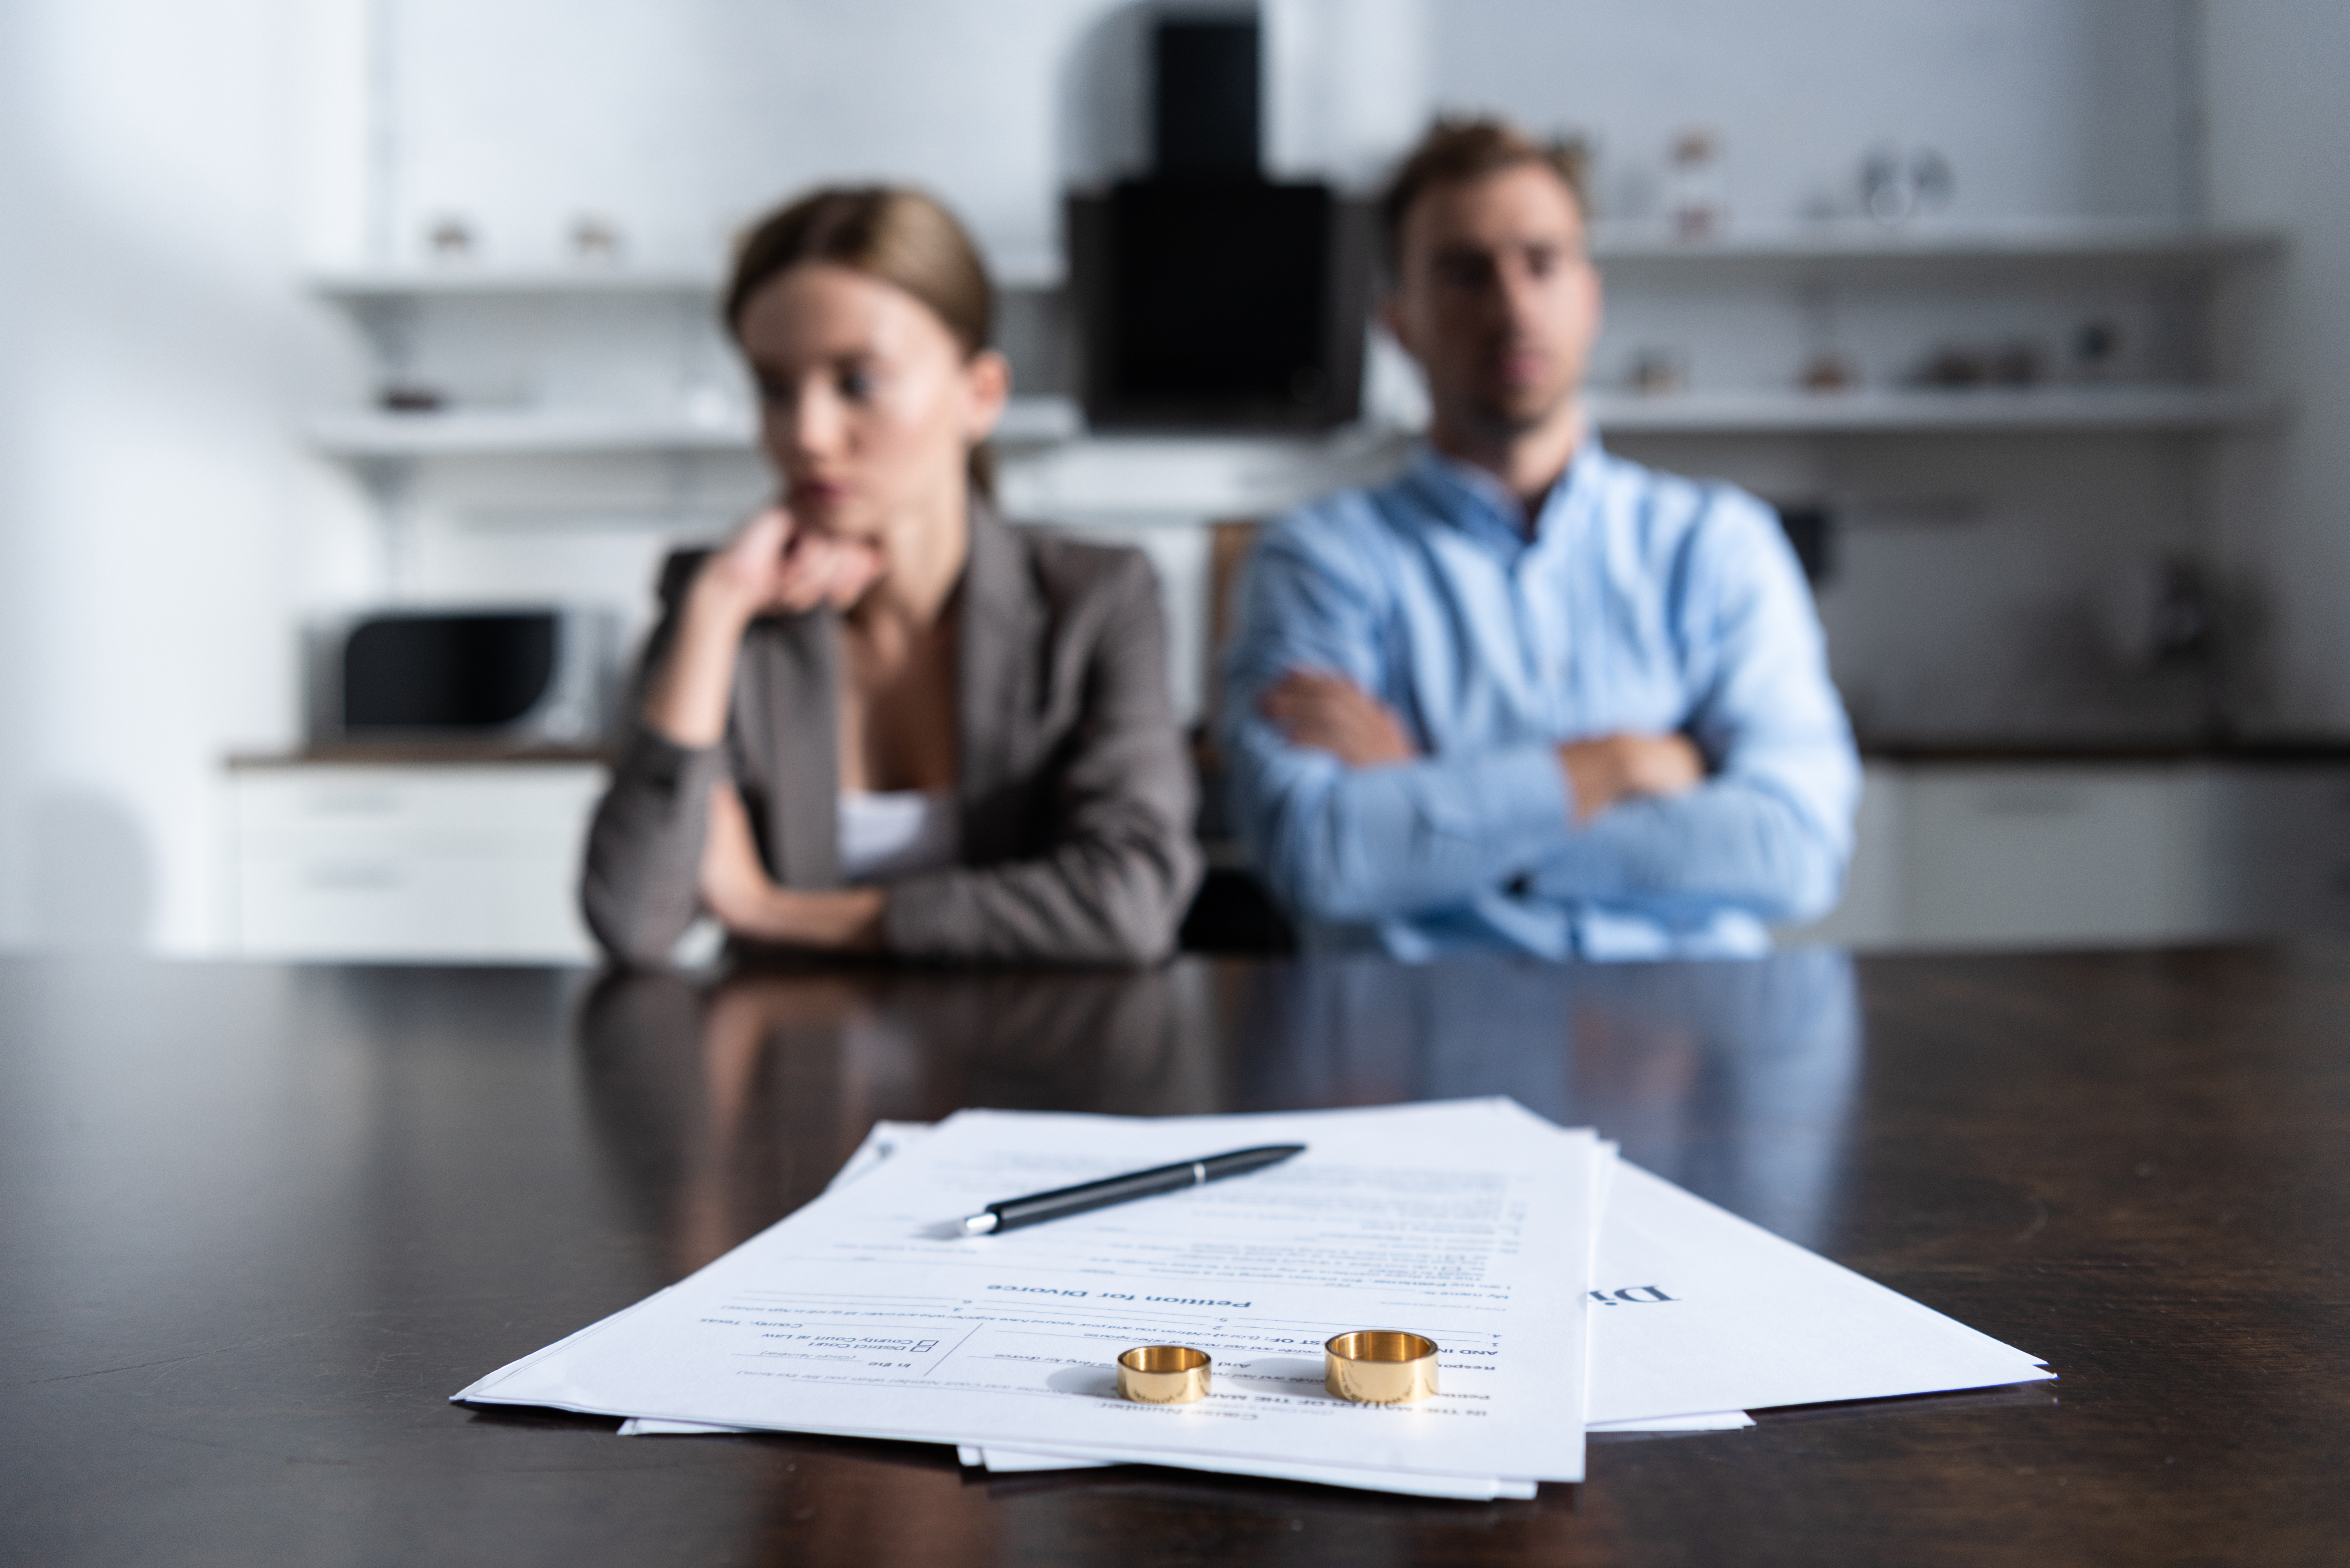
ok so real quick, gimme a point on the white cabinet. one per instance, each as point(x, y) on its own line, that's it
point(2061, 854)
point(464, 862)
point(2280, 847)
point(1869, 916)
point(2044, 855)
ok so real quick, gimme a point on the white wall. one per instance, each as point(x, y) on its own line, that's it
point(2278, 125)
point(681, 120)
point(148, 491)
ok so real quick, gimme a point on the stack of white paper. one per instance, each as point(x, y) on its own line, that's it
point(1474, 1222)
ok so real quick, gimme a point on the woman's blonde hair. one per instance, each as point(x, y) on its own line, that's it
point(893, 234)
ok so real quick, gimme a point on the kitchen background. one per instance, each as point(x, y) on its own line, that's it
point(2028, 313)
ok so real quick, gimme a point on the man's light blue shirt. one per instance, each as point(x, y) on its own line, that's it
point(1639, 602)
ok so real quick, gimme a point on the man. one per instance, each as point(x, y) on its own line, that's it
point(1530, 696)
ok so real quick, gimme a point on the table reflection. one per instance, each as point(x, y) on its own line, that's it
point(719, 1105)
point(723, 1104)
point(1735, 1079)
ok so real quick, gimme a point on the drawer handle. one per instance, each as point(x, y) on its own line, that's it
point(2031, 803)
point(353, 878)
point(352, 805)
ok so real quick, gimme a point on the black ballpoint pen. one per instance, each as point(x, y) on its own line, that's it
point(1039, 1207)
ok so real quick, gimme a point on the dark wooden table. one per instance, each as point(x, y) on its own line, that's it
point(260, 1223)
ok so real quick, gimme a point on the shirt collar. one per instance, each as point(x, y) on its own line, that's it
point(1474, 499)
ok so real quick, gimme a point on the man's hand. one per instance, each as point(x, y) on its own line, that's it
point(1614, 767)
point(736, 888)
point(1331, 713)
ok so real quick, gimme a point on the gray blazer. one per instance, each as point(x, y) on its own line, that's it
point(1076, 790)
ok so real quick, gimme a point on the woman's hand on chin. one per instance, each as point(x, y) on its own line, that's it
point(770, 565)
point(819, 569)
point(737, 890)
point(773, 564)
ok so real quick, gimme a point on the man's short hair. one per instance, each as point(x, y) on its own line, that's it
point(1455, 151)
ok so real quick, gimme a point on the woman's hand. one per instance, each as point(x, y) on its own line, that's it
point(773, 564)
point(770, 565)
point(737, 890)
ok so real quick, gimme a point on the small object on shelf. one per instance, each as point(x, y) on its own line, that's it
point(1898, 183)
point(406, 398)
point(1657, 372)
point(1828, 371)
point(2157, 614)
point(2017, 364)
point(1954, 365)
point(451, 239)
point(1695, 191)
point(597, 240)
point(2097, 348)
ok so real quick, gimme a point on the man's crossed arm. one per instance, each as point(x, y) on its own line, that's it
point(1748, 808)
point(1616, 817)
point(1331, 713)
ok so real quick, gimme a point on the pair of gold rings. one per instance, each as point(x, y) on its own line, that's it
point(1370, 1366)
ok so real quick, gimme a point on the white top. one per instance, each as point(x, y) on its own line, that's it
point(889, 834)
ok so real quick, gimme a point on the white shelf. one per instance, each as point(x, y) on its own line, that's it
point(521, 433)
point(1056, 422)
point(455, 280)
point(2020, 410)
point(2016, 242)
point(460, 279)
point(2019, 242)
point(1174, 477)
point(536, 432)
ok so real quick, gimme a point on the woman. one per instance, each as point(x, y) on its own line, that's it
point(878, 719)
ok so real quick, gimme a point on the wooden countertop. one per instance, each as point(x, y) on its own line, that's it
point(416, 754)
point(2280, 751)
point(2312, 750)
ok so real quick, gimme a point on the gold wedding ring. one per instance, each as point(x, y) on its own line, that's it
point(1379, 1367)
point(1164, 1374)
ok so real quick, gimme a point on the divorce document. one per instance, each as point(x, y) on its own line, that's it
point(864, 1314)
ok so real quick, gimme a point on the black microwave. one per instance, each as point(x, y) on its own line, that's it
point(526, 677)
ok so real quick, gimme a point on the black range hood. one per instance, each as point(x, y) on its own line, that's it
point(1208, 296)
